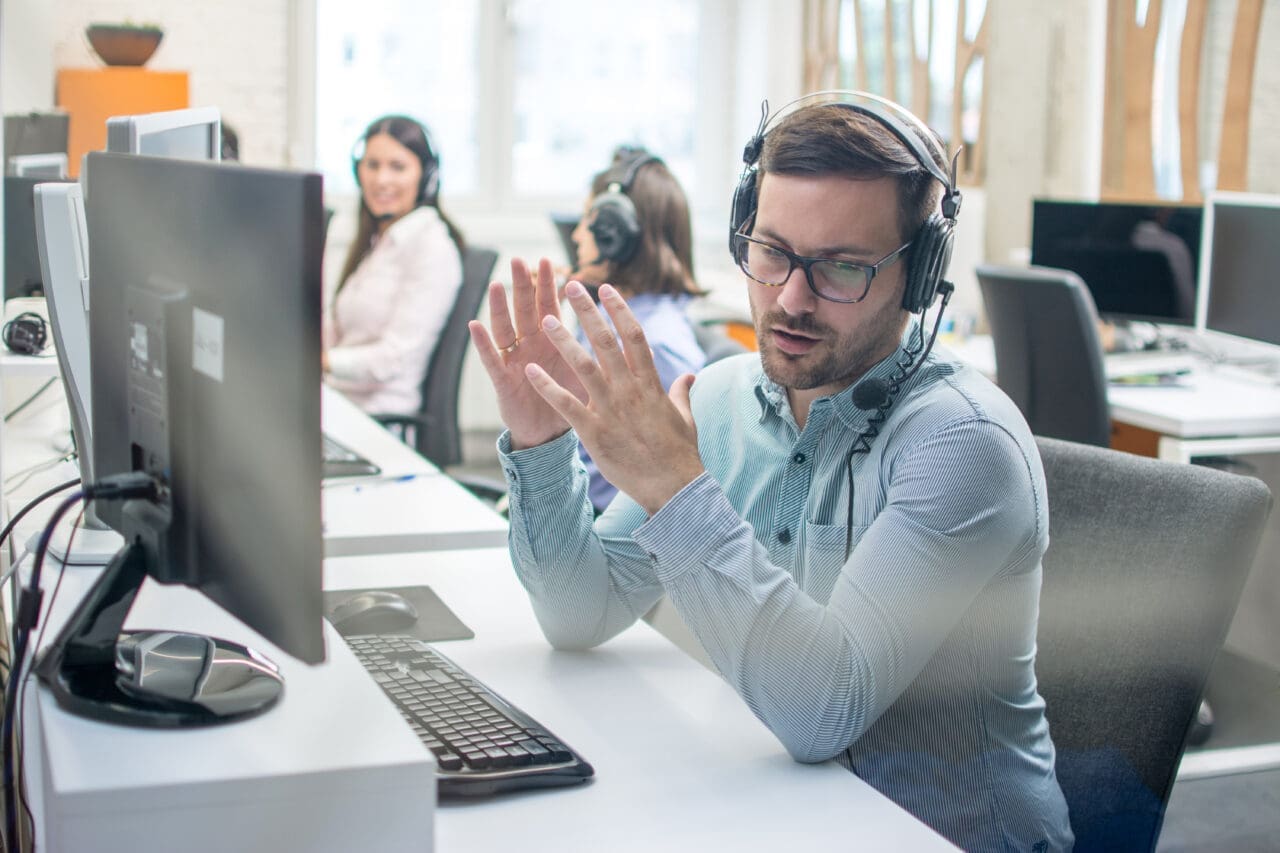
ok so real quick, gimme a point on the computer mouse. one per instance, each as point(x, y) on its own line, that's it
point(373, 612)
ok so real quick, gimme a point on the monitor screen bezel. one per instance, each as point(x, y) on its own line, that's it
point(1204, 293)
point(125, 133)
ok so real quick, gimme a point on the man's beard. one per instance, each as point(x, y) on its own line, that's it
point(834, 360)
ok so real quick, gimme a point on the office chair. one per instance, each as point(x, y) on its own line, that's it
point(715, 343)
point(1048, 357)
point(1145, 566)
point(565, 224)
point(433, 431)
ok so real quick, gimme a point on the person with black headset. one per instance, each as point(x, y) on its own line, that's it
point(635, 234)
point(402, 273)
point(850, 524)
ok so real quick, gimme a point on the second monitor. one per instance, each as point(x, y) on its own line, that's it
point(1139, 261)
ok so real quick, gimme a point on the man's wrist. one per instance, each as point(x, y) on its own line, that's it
point(519, 442)
point(667, 487)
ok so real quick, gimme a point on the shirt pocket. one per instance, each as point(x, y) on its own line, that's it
point(824, 555)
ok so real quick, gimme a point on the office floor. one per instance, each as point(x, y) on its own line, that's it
point(1239, 813)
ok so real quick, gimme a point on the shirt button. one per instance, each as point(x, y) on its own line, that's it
point(784, 536)
point(799, 458)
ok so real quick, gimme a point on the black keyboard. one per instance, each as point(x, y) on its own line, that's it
point(338, 460)
point(482, 743)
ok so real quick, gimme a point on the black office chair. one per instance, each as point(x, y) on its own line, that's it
point(1048, 357)
point(1145, 566)
point(565, 224)
point(434, 431)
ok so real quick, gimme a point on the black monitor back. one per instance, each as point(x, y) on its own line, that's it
point(22, 276)
point(244, 244)
point(1139, 261)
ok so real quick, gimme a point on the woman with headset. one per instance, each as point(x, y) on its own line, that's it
point(401, 276)
point(636, 235)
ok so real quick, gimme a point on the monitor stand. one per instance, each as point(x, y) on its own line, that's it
point(160, 679)
point(87, 543)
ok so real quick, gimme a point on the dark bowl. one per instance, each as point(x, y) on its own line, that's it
point(121, 45)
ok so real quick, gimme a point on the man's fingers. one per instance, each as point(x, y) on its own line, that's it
point(565, 404)
point(501, 328)
point(597, 330)
point(547, 300)
point(524, 301)
point(635, 347)
point(579, 360)
point(490, 358)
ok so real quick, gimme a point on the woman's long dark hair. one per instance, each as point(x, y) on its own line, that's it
point(664, 261)
point(413, 136)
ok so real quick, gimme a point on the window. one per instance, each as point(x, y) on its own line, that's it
point(525, 99)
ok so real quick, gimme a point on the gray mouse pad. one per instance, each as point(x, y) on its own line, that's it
point(436, 622)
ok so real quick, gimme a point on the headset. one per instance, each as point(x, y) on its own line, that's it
point(26, 334)
point(929, 256)
point(428, 184)
point(931, 247)
point(615, 225)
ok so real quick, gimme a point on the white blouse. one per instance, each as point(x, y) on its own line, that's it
point(382, 326)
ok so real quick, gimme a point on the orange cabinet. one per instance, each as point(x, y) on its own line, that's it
point(92, 95)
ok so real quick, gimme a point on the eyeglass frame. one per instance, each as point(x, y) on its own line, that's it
point(806, 263)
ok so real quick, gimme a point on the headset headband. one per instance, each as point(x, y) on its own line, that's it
point(902, 123)
point(640, 158)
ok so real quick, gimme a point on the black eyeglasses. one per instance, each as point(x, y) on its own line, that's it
point(835, 281)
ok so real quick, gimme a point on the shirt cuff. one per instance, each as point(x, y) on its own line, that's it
point(343, 364)
point(535, 467)
point(693, 523)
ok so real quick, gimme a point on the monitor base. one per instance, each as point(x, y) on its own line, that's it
point(155, 679)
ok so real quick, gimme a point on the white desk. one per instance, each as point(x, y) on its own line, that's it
point(412, 506)
point(681, 764)
point(1216, 411)
point(332, 759)
point(348, 424)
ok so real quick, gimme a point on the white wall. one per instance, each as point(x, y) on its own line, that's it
point(236, 51)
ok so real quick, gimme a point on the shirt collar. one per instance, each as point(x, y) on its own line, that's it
point(773, 397)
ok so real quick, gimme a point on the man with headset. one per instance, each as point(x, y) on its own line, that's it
point(851, 526)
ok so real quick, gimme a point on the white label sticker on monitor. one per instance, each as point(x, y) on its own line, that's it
point(206, 338)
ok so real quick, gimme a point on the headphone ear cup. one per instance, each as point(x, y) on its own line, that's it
point(744, 203)
point(26, 334)
point(615, 227)
point(930, 256)
point(429, 186)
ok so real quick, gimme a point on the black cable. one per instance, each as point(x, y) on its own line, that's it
point(20, 791)
point(27, 402)
point(32, 504)
point(25, 618)
point(908, 365)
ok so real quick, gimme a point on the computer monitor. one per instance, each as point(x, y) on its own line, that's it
point(22, 274)
point(1240, 292)
point(205, 369)
point(51, 167)
point(194, 134)
point(1139, 261)
point(36, 133)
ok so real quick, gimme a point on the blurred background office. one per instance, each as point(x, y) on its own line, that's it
point(1122, 100)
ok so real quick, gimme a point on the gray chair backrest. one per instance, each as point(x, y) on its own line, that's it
point(441, 440)
point(1048, 358)
point(1145, 566)
point(715, 343)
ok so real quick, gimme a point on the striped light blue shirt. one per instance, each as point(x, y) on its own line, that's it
point(911, 663)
